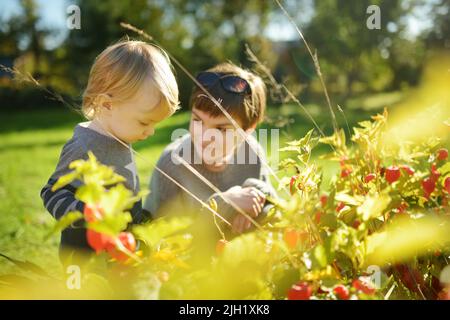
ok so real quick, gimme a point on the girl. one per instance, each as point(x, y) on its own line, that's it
point(130, 89)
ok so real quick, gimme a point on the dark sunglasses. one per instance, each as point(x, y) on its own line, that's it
point(230, 83)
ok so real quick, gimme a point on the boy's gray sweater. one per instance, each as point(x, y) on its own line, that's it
point(166, 196)
point(109, 152)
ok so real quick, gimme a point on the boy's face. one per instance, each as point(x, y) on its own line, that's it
point(215, 139)
point(134, 119)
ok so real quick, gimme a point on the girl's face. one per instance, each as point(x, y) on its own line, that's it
point(215, 139)
point(134, 119)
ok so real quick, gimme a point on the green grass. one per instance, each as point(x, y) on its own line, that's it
point(31, 144)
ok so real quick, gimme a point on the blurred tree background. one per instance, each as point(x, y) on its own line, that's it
point(355, 60)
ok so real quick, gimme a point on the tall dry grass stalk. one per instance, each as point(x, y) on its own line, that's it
point(316, 64)
point(280, 87)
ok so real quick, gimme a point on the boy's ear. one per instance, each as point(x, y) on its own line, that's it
point(104, 101)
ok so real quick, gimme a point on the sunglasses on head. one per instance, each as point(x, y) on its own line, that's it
point(230, 83)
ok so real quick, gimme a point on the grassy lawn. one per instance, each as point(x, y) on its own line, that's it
point(31, 143)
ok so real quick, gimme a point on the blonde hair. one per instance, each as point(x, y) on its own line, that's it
point(120, 70)
point(249, 108)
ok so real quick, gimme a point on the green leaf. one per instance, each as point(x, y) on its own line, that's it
point(117, 199)
point(329, 220)
point(111, 224)
point(27, 266)
point(303, 141)
point(96, 285)
point(373, 206)
point(347, 199)
point(337, 140)
point(65, 180)
point(93, 172)
point(287, 163)
point(319, 256)
point(344, 240)
point(444, 169)
point(290, 149)
point(89, 193)
point(181, 242)
point(247, 247)
point(64, 222)
point(155, 231)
